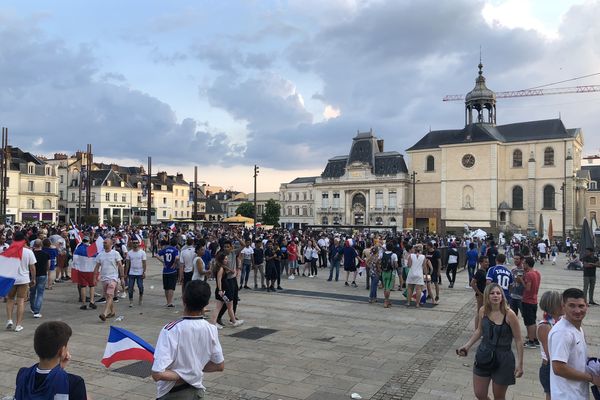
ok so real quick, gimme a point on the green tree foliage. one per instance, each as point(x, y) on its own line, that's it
point(245, 209)
point(271, 215)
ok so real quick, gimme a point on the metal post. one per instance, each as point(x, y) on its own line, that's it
point(88, 183)
point(255, 207)
point(149, 194)
point(195, 211)
point(4, 173)
point(414, 211)
point(80, 159)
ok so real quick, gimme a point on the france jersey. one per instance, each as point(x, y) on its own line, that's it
point(502, 276)
point(169, 255)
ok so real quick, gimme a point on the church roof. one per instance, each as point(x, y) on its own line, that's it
point(367, 150)
point(518, 132)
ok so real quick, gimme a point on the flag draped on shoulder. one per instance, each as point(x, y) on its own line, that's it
point(10, 262)
point(82, 261)
point(124, 345)
point(95, 247)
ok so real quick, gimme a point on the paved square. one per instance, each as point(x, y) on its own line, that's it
point(328, 343)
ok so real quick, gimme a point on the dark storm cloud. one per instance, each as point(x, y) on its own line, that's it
point(50, 92)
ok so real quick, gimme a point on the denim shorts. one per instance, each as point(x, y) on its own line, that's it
point(545, 376)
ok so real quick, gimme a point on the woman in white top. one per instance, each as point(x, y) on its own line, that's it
point(414, 280)
point(308, 253)
point(551, 304)
point(200, 271)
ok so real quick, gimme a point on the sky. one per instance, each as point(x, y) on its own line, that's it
point(285, 85)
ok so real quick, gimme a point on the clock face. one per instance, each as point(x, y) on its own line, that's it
point(468, 160)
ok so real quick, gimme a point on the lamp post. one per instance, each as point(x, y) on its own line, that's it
point(255, 208)
point(413, 176)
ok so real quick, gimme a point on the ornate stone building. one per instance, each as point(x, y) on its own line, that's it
point(367, 187)
point(516, 177)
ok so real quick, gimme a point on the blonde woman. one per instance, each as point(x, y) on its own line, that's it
point(415, 279)
point(551, 304)
point(494, 361)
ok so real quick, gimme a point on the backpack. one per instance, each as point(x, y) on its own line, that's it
point(386, 262)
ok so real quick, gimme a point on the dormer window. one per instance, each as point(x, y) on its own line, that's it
point(30, 169)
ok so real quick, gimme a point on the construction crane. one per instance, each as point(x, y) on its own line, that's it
point(533, 92)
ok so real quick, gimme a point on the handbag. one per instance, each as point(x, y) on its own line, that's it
point(485, 358)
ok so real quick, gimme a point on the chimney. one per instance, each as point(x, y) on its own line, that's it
point(162, 177)
point(380, 145)
point(179, 176)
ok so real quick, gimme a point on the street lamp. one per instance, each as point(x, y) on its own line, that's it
point(256, 171)
point(413, 176)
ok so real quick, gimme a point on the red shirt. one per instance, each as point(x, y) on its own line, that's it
point(292, 250)
point(530, 296)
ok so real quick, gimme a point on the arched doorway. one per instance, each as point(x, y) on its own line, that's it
point(359, 206)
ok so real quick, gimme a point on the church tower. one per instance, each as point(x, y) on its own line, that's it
point(482, 101)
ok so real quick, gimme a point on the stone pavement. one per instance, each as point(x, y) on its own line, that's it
point(328, 343)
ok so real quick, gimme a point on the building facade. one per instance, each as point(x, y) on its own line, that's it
point(367, 187)
point(591, 166)
point(32, 188)
point(516, 177)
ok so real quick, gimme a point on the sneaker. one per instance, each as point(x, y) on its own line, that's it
point(116, 299)
point(171, 305)
point(311, 276)
point(18, 328)
point(123, 295)
point(83, 307)
point(38, 315)
point(329, 280)
point(246, 287)
point(93, 306)
point(346, 284)
point(593, 303)
point(468, 287)
point(9, 324)
point(291, 277)
point(537, 343)
point(354, 284)
point(57, 281)
point(219, 326)
point(101, 300)
point(237, 323)
point(131, 304)
point(279, 288)
point(529, 345)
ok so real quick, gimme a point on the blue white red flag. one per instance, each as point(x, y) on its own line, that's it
point(172, 227)
point(95, 247)
point(10, 262)
point(123, 345)
point(82, 262)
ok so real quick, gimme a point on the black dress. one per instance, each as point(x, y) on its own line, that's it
point(504, 372)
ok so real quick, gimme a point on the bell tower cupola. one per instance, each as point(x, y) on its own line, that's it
point(480, 103)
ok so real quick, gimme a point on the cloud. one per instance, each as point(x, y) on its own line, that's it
point(51, 93)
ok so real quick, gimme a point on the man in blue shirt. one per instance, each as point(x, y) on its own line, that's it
point(172, 271)
point(472, 256)
point(501, 275)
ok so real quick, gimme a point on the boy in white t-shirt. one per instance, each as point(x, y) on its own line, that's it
point(109, 264)
point(568, 351)
point(136, 262)
point(187, 348)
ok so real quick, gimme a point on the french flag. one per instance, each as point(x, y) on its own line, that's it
point(10, 262)
point(95, 247)
point(140, 239)
point(123, 345)
point(172, 227)
point(82, 261)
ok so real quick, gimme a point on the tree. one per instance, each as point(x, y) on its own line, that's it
point(245, 209)
point(136, 220)
point(271, 215)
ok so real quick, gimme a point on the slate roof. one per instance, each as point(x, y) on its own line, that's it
point(517, 132)
point(305, 179)
point(100, 177)
point(213, 206)
point(594, 171)
point(366, 149)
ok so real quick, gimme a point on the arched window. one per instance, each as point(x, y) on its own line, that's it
point(502, 216)
point(517, 198)
point(47, 204)
point(31, 204)
point(393, 221)
point(336, 220)
point(549, 156)
point(325, 221)
point(378, 221)
point(430, 164)
point(549, 196)
point(468, 197)
point(517, 161)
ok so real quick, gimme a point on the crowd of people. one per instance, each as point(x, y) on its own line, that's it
point(503, 278)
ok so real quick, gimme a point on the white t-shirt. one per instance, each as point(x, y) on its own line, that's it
point(185, 346)
point(247, 253)
point(187, 255)
point(109, 270)
point(542, 247)
point(135, 258)
point(27, 259)
point(567, 344)
point(198, 264)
